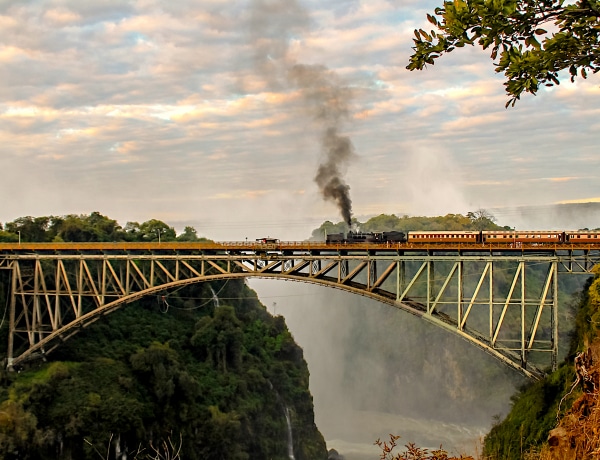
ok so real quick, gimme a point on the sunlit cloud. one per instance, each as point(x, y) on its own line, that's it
point(470, 123)
point(560, 179)
point(129, 94)
point(61, 16)
point(488, 182)
point(580, 200)
point(240, 194)
point(69, 133)
point(8, 53)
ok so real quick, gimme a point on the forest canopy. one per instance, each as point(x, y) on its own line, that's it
point(475, 220)
point(90, 228)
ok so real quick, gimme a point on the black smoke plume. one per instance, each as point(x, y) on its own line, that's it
point(329, 178)
point(323, 94)
point(327, 101)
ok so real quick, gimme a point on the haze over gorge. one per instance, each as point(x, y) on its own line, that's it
point(377, 370)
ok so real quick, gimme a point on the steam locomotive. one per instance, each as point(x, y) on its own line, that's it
point(485, 236)
point(367, 237)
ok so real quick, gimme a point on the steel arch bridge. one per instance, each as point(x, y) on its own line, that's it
point(503, 300)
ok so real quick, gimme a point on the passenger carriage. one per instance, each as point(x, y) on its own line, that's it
point(526, 236)
point(584, 236)
point(444, 236)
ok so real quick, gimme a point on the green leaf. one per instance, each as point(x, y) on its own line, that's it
point(432, 19)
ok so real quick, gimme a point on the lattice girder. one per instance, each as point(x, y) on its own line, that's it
point(483, 298)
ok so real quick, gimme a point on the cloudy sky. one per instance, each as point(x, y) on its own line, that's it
point(214, 113)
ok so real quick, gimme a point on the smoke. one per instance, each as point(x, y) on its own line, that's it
point(324, 97)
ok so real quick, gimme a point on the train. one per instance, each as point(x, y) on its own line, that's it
point(468, 236)
point(366, 237)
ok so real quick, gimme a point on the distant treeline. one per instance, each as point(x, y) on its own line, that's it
point(476, 220)
point(84, 228)
point(97, 227)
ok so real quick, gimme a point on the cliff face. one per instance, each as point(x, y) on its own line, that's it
point(181, 375)
point(577, 436)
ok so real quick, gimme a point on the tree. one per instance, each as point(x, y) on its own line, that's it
point(132, 231)
point(482, 219)
point(222, 337)
point(189, 234)
point(381, 223)
point(30, 228)
point(534, 39)
point(328, 227)
point(81, 228)
point(155, 230)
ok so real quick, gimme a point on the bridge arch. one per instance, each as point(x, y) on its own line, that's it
point(56, 289)
point(51, 341)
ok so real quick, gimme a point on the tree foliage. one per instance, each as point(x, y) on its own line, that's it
point(480, 219)
point(215, 376)
point(29, 228)
point(531, 41)
point(189, 234)
point(89, 228)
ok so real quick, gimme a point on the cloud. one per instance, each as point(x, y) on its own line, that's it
point(560, 179)
point(138, 95)
point(61, 16)
point(581, 200)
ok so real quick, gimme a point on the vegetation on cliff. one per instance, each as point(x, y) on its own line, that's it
point(198, 372)
point(213, 381)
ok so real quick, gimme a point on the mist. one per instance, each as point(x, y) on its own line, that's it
point(376, 370)
point(563, 216)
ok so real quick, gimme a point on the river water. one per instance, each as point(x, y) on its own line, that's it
point(355, 440)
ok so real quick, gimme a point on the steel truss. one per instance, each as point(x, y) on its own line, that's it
point(506, 305)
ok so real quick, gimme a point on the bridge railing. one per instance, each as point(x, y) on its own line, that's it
point(9, 248)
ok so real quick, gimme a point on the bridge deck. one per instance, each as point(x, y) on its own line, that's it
point(293, 247)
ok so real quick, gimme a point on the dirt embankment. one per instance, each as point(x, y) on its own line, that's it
point(577, 435)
